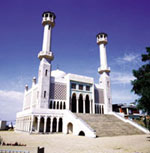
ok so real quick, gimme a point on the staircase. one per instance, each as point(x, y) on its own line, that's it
point(108, 125)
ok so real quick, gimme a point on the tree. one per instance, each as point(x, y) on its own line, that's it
point(141, 85)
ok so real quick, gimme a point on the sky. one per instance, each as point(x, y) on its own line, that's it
point(73, 43)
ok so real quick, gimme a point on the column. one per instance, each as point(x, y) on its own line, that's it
point(84, 106)
point(127, 111)
point(91, 104)
point(38, 126)
point(51, 130)
point(77, 106)
point(31, 123)
point(45, 123)
point(28, 125)
point(57, 126)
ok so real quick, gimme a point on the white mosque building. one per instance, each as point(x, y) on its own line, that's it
point(54, 100)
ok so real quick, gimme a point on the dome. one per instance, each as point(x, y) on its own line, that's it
point(58, 73)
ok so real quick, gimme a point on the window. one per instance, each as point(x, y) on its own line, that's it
point(87, 88)
point(44, 94)
point(80, 87)
point(107, 83)
point(46, 72)
point(73, 86)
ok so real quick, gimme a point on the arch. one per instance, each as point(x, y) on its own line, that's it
point(80, 103)
point(50, 105)
point(35, 123)
point(54, 105)
point(74, 102)
point(54, 124)
point(81, 133)
point(57, 104)
point(69, 128)
point(60, 105)
point(42, 124)
point(87, 104)
point(48, 124)
point(102, 109)
point(64, 105)
point(60, 126)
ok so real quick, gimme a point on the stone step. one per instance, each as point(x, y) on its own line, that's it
point(108, 125)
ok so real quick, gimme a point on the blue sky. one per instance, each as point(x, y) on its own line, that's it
point(73, 43)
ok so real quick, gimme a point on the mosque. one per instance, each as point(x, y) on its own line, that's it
point(52, 103)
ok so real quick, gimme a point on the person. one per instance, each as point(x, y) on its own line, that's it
point(148, 124)
point(145, 121)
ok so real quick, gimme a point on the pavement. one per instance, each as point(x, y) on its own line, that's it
point(61, 143)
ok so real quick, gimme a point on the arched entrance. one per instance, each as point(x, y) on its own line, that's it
point(69, 128)
point(60, 125)
point(74, 103)
point(48, 125)
point(81, 133)
point(54, 125)
point(102, 109)
point(42, 124)
point(35, 124)
point(80, 103)
point(87, 104)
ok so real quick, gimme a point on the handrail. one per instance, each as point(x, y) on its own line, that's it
point(131, 122)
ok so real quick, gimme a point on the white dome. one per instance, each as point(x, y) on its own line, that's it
point(58, 73)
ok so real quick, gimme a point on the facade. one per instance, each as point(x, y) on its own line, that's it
point(52, 102)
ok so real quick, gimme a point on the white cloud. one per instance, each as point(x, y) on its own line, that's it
point(128, 58)
point(10, 103)
point(121, 78)
point(123, 96)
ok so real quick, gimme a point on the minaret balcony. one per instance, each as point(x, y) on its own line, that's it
point(46, 54)
point(102, 69)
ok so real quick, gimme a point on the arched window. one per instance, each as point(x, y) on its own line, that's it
point(54, 105)
point(50, 105)
point(64, 106)
point(46, 72)
point(44, 94)
point(57, 104)
point(61, 105)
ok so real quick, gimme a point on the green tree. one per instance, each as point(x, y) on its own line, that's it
point(141, 85)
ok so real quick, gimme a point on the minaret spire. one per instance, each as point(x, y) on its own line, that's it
point(102, 42)
point(104, 71)
point(48, 22)
point(45, 56)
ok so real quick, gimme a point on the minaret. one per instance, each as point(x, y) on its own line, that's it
point(45, 56)
point(104, 71)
